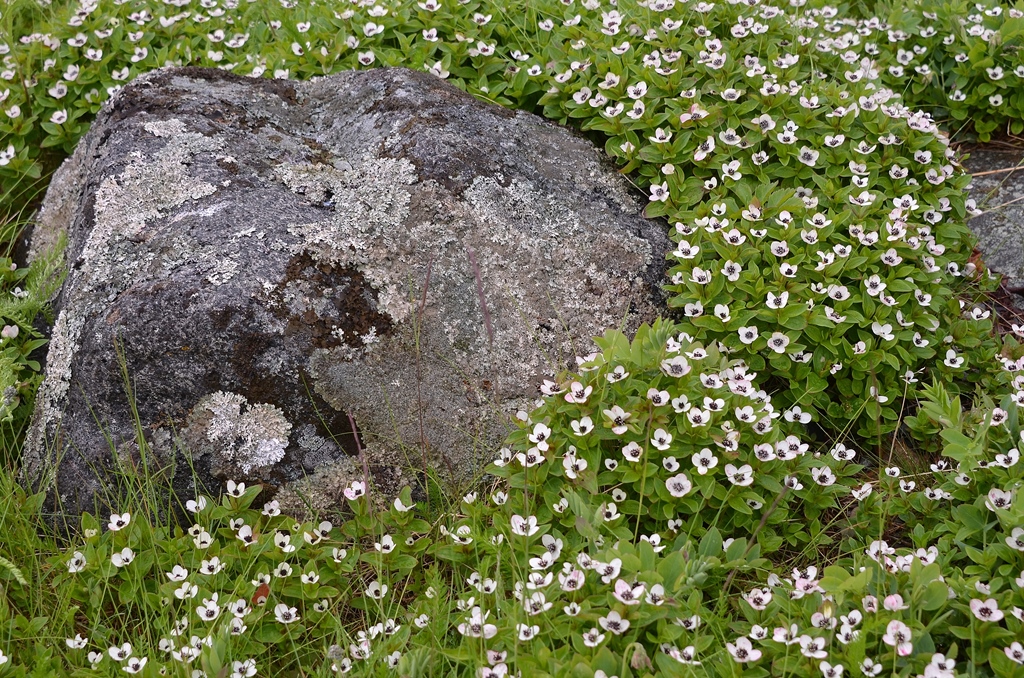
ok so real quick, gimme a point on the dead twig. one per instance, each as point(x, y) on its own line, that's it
point(997, 171)
point(998, 207)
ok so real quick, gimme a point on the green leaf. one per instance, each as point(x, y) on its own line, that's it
point(934, 596)
point(711, 543)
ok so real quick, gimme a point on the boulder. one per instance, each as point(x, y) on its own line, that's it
point(998, 190)
point(296, 283)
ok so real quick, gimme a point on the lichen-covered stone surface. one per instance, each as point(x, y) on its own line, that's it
point(998, 189)
point(277, 260)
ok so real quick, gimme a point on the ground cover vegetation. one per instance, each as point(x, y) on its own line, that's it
point(811, 469)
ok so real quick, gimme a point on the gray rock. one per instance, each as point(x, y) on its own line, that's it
point(998, 189)
point(275, 261)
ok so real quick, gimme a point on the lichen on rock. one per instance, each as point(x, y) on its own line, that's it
point(376, 258)
point(252, 439)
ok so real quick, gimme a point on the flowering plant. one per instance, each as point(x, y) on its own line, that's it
point(695, 499)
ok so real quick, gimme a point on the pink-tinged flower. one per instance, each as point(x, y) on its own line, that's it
point(894, 603)
point(573, 581)
point(1015, 652)
point(355, 490)
point(537, 602)
point(679, 485)
point(578, 394)
point(986, 610)
point(743, 650)
point(758, 598)
point(788, 636)
point(742, 476)
point(998, 500)
point(830, 671)
point(550, 388)
point(628, 595)
point(812, 647)
point(898, 635)
point(524, 527)
point(684, 656)
point(676, 367)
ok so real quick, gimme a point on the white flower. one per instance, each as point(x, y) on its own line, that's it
point(808, 156)
point(77, 562)
point(743, 650)
point(186, 590)
point(582, 426)
point(475, 625)
point(986, 610)
point(119, 654)
point(285, 614)
point(355, 490)
point(742, 476)
point(1016, 539)
point(952, 359)
point(748, 335)
point(778, 342)
point(998, 499)
point(662, 439)
point(125, 557)
point(209, 610)
point(614, 623)
point(617, 416)
point(704, 461)
point(203, 540)
point(177, 573)
point(679, 485)
point(243, 669)
point(659, 192)
point(118, 522)
point(76, 643)
point(898, 635)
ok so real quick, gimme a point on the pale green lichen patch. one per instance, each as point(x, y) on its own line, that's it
point(124, 206)
point(516, 280)
point(370, 204)
point(250, 439)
